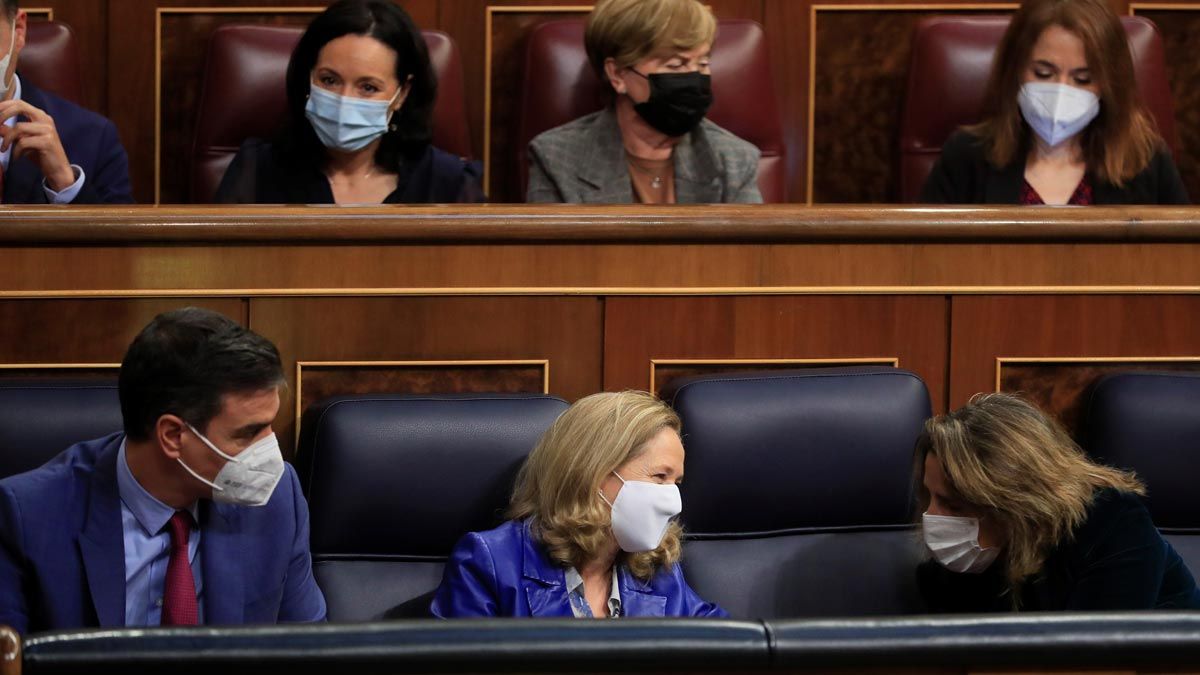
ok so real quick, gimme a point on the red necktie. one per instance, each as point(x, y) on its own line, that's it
point(179, 590)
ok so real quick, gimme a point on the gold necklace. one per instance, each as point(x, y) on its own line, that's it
point(656, 180)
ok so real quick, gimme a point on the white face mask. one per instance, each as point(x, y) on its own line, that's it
point(1055, 111)
point(6, 84)
point(248, 479)
point(642, 512)
point(954, 543)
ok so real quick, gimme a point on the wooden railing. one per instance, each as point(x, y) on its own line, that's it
point(576, 299)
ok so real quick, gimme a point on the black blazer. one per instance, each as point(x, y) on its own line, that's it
point(258, 175)
point(1115, 560)
point(964, 176)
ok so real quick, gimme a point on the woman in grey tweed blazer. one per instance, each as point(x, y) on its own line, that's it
point(652, 145)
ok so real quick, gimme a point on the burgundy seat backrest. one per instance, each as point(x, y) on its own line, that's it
point(559, 86)
point(951, 61)
point(244, 96)
point(50, 59)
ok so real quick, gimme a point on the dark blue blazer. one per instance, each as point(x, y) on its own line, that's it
point(90, 141)
point(506, 572)
point(62, 549)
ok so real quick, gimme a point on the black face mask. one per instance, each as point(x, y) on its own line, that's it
point(678, 101)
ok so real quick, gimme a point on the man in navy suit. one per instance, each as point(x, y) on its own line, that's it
point(190, 516)
point(51, 150)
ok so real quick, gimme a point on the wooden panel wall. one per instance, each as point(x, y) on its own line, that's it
point(1051, 347)
point(855, 82)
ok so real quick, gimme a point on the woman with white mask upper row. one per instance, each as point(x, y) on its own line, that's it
point(1062, 120)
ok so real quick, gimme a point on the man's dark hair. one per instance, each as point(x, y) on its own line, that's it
point(411, 128)
point(10, 8)
point(184, 362)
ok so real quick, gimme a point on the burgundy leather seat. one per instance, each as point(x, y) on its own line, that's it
point(244, 96)
point(951, 61)
point(559, 86)
point(50, 59)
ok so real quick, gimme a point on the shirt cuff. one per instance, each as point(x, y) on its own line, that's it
point(69, 193)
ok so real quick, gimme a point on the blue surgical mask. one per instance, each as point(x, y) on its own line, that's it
point(344, 122)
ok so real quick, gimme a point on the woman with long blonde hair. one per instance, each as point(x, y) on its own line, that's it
point(1017, 517)
point(592, 530)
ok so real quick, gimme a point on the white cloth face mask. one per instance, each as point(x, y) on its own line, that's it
point(5, 85)
point(248, 479)
point(954, 543)
point(1057, 112)
point(642, 512)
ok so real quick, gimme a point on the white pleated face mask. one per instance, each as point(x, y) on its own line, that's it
point(249, 479)
point(954, 543)
point(1057, 112)
point(642, 512)
point(5, 85)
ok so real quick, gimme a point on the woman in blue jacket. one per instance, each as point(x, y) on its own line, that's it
point(592, 531)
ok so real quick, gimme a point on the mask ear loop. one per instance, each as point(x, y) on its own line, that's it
point(601, 492)
point(229, 458)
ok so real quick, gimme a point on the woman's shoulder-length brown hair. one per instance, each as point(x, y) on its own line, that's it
point(1122, 140)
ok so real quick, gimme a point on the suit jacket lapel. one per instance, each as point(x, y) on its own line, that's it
point(637, 596)
point(102, 541)
point(545, 583)
point(224, 565)
point(697, 179)
point(602, 162)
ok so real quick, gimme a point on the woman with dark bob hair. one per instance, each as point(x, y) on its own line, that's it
point(1062, 120)
point(1016, 517)
point(360, 94)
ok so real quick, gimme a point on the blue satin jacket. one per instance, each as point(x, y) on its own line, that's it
point(506, 572)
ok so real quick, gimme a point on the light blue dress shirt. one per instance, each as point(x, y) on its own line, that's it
point(148, 549)
point(69, 193)
point(579, 604)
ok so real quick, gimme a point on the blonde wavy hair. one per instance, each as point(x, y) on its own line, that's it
point(557, 487)
point(1018, 465)
point(628, 31)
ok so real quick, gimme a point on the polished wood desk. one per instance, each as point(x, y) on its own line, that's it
point(573, 300)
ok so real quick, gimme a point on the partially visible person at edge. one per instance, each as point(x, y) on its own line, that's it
point(592, 531)
point(652, 144)
point(1063, 123)
point(52, 151)
point(360, 91)
point(1018, 518)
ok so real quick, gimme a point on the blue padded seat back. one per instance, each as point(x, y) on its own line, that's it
point(1150, 422)
point(797, 497)
point(393, 481)
point(41, 418)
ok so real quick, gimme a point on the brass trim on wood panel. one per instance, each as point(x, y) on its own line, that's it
point(300, 365)
point(158, 17)
point(589, 291)
point(47, 11)
point(492, 10)
point(812, 56)
point(1001, 361)
point(60, 366)
point(1162, 7)
point(654, 363)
